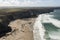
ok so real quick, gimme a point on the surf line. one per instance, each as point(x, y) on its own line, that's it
point(38, 29)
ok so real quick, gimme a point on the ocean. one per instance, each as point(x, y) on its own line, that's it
point(48, 25)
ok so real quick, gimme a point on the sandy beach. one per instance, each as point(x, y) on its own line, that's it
point(22, 29)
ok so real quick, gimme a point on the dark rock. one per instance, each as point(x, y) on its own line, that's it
point(4, 29)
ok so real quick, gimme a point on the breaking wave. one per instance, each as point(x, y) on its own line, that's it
point(47, 26)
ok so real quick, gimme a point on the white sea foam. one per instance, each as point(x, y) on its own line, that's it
point(49, 19)
point(55, 35)
point(55, 22)
point(45, 18)
point(38, 25)
point(39, 28)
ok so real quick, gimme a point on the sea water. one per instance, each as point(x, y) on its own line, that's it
point(47, 26)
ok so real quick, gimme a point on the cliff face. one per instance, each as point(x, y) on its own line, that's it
point(4, 28)
point(30, 13)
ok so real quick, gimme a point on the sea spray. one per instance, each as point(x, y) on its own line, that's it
point(39, 30)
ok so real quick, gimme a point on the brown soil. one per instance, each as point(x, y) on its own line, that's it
point(22, 29)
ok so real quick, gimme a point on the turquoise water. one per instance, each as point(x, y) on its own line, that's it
point(52, 29)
